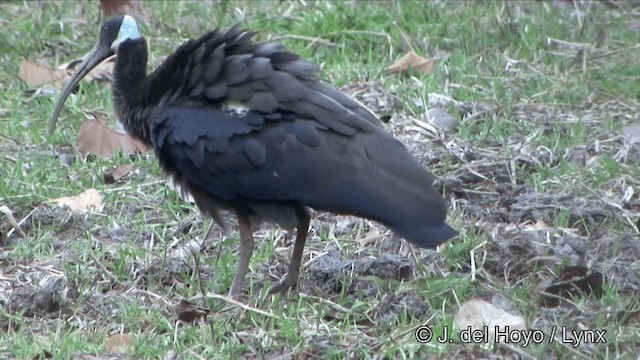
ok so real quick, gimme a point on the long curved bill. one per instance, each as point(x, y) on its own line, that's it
point(97, 55)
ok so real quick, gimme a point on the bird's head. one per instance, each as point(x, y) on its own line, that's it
point(112, 34)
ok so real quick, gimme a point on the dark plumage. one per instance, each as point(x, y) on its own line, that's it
point(249, 127)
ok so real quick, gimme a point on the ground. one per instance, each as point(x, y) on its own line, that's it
point(539, 166)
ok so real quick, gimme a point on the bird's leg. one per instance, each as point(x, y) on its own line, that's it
point(291, 280)
point(246, 248)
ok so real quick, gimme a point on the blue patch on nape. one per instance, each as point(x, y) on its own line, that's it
point(128, 29)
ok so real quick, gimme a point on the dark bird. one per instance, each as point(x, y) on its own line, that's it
point(250, 127)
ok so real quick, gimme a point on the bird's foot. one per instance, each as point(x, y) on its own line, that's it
point(288, 283)
point(236, 288)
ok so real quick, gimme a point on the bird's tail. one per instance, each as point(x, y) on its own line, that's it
point(414, 211)
point(394, 189)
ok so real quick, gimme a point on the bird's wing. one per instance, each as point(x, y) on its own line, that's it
point(227, 68)
point(216, 155)
point(252, 158)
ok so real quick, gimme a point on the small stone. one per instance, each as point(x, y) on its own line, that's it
point(632, 133)
point(441, 119)
point(66, 159)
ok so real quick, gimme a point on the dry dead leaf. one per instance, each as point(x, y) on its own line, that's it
point(37, 75)
point(118, 343)
point(540, 225)
point(118, 173)
point(111, 8)
point(189, 312)
point(411, 60)
point(477, 313)
point(88, 200)
point(102, 72)
point(97, 139)
point(371, 235)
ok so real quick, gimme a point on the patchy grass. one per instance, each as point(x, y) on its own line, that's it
point(542, 92)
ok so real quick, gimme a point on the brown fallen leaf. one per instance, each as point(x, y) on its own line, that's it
point(37, 75)
point(88, 200)
point(111, 8)
point(97, 139)
point(189, 312)
point(118, 343)
point(118, 173)
point(102, 72)
point(477, 313)
point(411, 60)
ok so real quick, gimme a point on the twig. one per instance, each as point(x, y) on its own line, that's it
point(473, 259)
point(7, 212)
point(406, 40)
point(234, 302)
point(104, 269)
point(311, 39)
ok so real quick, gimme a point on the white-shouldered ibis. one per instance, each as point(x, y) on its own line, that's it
point(250, 127)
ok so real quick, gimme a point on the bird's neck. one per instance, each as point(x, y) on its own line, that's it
point(129, 88)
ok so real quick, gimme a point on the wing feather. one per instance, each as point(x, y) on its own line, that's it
point(227, 66)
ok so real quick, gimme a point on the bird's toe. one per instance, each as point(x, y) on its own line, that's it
point(288, 283)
